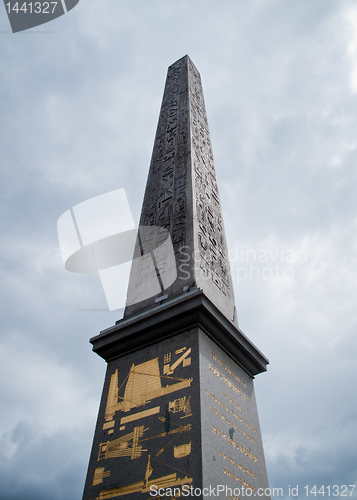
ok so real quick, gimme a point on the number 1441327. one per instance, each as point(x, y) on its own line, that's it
point(335, 490)
point(32, 7)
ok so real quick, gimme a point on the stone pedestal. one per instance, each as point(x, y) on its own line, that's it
point(178, 409)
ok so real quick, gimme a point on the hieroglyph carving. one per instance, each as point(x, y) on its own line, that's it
point(212, 245)
point(165, 200)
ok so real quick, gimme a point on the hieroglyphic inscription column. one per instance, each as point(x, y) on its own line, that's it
point(182, 197)
point(213, 274)
point(232, 448)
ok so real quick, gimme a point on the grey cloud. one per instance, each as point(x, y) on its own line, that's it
point(79, 109)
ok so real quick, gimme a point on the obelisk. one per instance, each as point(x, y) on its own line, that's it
point(178, 415)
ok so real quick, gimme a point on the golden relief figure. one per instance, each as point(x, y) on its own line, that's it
point(128, 445)
point(184, 359)
point(112, 397)
point(125, 446)
point(143, 384)
point(181, 405)
point(167, 358)
point(139, 415)
point(182, 450)
point(143, 486)
point(99, 475)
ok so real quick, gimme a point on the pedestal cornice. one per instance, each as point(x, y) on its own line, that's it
point(192, 309)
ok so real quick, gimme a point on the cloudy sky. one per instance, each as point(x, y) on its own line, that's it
point(80, 98)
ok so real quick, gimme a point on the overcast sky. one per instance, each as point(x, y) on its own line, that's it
point(80, 98)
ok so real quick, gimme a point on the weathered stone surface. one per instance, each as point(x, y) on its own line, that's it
point(232, 448)
point(182, 198)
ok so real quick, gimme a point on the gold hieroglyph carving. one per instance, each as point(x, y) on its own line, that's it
point(220, 403)
point(143, 385)
point(108, 425)
point(236, 464)
point(235, 444)
point(181, 405)
point(125, 446)
point(144, 485)
point(184, 359)
point(228, 382)
point(128, 445)
point(229, 422)
point(99, 475)
point(112, 399)
point(213, 356)
point(182, 450)
point(167, 358)
point(139, 415)
point(238, 479)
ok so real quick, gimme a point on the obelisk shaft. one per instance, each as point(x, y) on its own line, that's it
point(181, 199)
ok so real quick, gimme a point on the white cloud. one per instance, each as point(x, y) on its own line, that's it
point(352, 47)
